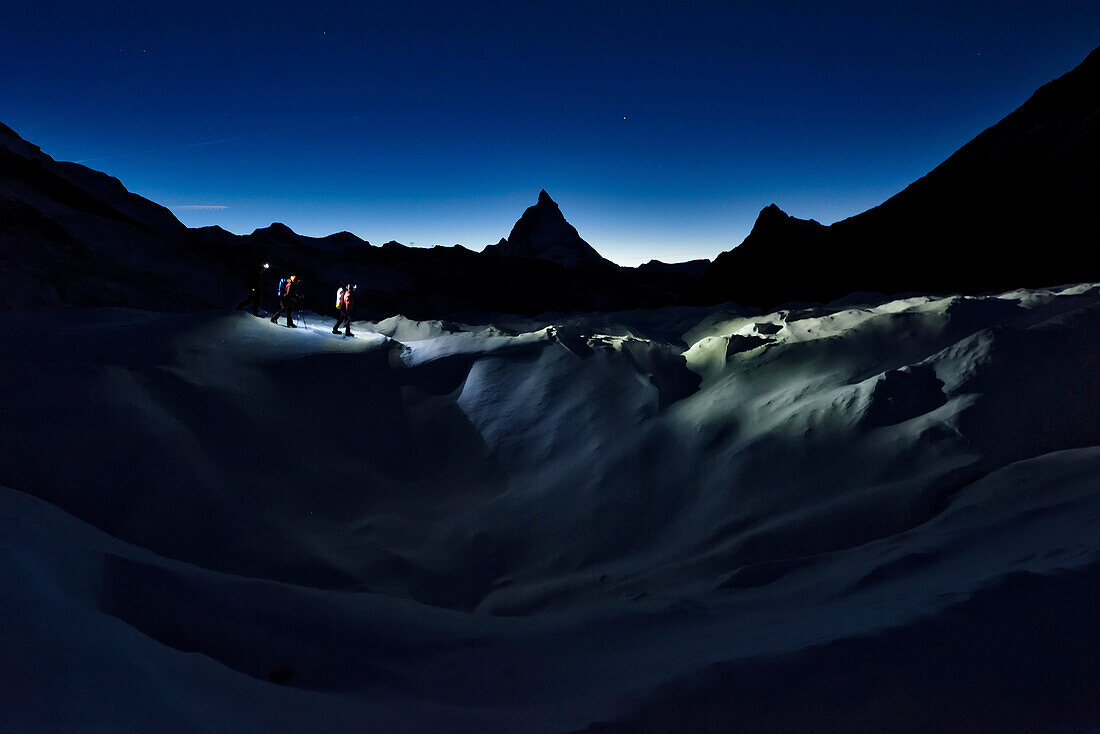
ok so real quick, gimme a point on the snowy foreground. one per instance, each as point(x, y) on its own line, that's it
point(873, 516)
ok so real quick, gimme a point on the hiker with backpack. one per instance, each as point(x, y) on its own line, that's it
point(344, 301)
point(289, 295)
point(255, 285)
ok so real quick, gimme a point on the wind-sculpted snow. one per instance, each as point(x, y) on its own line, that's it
point(734, 520)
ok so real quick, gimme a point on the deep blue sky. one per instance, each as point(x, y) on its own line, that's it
point(660, 128)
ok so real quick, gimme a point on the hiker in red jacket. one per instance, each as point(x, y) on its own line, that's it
point(344, 300)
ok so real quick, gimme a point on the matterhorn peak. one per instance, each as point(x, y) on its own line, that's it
point(543, 232)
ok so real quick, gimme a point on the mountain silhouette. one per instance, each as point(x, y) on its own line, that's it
point(543, 232)
point(1014, 207)
point(72, 235)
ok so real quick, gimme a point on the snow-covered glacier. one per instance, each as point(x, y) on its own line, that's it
point(876, 515)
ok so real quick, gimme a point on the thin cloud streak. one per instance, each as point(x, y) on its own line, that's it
point(202, 207)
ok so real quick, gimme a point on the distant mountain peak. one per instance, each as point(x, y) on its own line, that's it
point(772, 213)
point(276, 229)
point(1013, 207)
point(345, 237)
point(774, 227)
point(543, 232)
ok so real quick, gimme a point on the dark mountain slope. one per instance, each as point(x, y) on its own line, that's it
point(70, 235)
point(1013, 207)
point(441, 281)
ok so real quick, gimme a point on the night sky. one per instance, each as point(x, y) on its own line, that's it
point(660, 128)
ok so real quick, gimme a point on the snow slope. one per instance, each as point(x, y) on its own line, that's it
point(875, 515)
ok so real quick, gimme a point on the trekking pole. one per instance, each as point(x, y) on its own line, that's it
point(301, 318)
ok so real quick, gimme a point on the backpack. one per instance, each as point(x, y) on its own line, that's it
point(282, 287)
point(340, 297)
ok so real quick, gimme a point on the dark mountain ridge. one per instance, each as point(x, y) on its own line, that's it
point(1014, 207)
point(72, 236)
point(443, 281)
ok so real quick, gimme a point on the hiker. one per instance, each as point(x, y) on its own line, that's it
point(255, 283)
point(344, 301)
point(289, 295)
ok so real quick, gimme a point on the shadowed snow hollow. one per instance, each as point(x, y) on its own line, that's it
point(675, 476)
